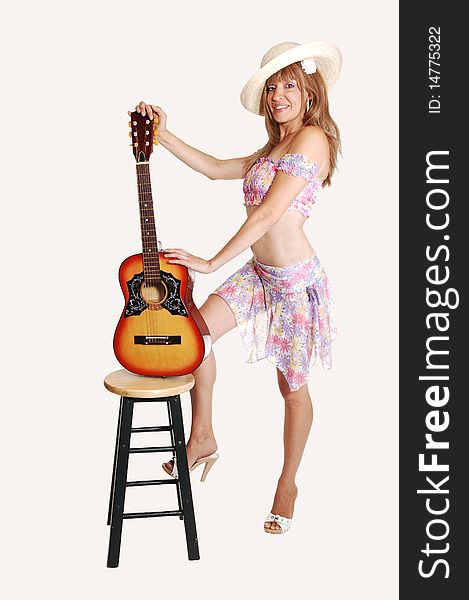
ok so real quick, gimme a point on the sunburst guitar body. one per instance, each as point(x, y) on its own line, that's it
point(160, 333)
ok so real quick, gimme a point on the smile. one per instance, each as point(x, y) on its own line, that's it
point(281, 107)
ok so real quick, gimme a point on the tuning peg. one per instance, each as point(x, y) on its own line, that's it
point(130, 134)
point(155, 119)
point(155, 142)
point(130, 123)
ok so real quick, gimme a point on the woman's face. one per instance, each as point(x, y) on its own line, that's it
point(285, 101)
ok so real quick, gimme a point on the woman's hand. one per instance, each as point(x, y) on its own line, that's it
point(179, 256)
point(152, 111)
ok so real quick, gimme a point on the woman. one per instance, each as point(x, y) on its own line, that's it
point(280, 299)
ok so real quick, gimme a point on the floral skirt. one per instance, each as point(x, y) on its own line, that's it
point(284, 314)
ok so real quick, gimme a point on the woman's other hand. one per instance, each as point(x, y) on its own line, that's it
point(152, 111)
point(179, 256)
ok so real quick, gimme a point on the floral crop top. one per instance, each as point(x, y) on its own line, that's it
point(260, 176)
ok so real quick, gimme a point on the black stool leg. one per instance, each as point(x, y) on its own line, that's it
point(183, 478)
point(170, 421)
point(120, 482)
point(113, 479)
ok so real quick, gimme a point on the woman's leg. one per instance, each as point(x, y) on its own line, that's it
point(219, 318)
point(298, 421)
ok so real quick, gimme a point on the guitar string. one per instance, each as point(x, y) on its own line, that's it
point(150, 230)
point(144, 188)
point(143, 216)
point(144, 246)
point(144, 183)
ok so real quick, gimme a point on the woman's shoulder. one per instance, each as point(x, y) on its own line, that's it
point(309, 137)
point(311, 142)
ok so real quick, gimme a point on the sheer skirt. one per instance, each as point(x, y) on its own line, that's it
point(284, 314)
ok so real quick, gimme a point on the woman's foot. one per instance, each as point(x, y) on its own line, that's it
point(195, 449)
point(284, 502)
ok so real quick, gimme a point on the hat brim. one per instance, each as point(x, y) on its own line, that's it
point(328, 59)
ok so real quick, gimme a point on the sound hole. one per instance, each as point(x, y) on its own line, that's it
point(155, 293)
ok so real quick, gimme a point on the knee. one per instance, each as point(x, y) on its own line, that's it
point(299, 397)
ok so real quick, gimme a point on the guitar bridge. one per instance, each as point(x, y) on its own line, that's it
point(157, 340)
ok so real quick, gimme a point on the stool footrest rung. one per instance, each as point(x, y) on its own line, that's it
point(149, 429)
point(159, 513)
point(151, 449)
point(150, 482)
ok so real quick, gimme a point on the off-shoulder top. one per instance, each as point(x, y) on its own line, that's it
point(260, 176)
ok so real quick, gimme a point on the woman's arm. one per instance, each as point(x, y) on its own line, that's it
point(256, 225)
point(312, 143)
point(211, 167)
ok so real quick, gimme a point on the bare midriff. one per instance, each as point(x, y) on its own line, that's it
point(285, 243)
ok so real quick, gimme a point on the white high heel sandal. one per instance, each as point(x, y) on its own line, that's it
point(282, 521)
point(209, 461)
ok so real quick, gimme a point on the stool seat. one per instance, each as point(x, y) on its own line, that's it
point(131, 385)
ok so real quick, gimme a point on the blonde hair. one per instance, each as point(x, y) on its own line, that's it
point(317, 114)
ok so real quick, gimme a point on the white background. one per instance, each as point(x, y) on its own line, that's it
point(70, 216)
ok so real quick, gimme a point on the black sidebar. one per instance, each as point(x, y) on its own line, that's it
point(434, 242)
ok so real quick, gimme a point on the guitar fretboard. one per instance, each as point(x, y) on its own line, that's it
point(151, 263)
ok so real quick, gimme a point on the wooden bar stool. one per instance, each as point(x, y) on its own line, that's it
point(137, 388)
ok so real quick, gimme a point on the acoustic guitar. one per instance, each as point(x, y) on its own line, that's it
point(160, 333)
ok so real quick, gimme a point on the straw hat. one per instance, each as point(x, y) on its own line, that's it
point(326, 55)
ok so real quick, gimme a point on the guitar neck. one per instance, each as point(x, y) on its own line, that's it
point(151, 263)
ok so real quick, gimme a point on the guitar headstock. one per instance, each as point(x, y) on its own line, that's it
point(143, 133)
